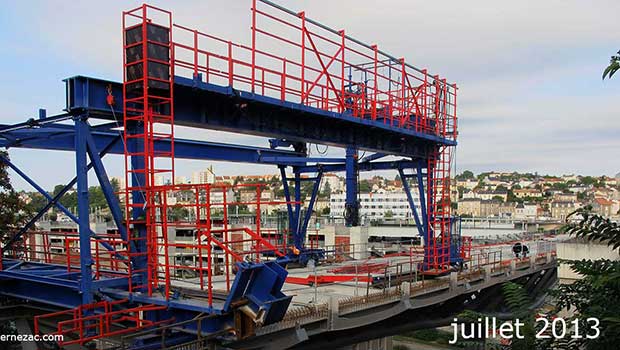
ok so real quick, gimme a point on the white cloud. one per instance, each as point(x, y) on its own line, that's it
point(530, 98)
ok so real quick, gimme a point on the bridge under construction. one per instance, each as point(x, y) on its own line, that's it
point(249, 286)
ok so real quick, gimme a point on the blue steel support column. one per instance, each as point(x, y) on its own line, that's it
point(106, 187)
point(287, 197)
point(405, 180)
point(53, 201)
point(422, 197)
point(138, 180)
point(351, 205)
point(297, 214)
point(429, 234)
point(50, 199)
point(86, 261)
point(301, 238)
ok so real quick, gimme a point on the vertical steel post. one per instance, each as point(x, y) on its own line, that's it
point(254, 45)
point(351, 205)
point(287, 197)
point(342, 107)
point(302, 15)
point(81, 166)
point(304, 228)
point(137, 234)
point(297, 218)
point(405, 180)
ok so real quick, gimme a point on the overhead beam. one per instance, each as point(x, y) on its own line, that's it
point(208, 106)
point(365, 166)
point(61, 138)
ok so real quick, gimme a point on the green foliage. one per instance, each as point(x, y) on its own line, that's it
point(327, 191)
point(178, 213)
point(365, 186)
point(13, 211)
point(594, 228)
point(516, 298)
point(597, 293)
point(497, 199)
point(612, 68)
point(465, 175)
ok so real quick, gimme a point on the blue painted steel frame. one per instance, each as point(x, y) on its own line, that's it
point(203, 105)
point(351, 205)
point(87, 97)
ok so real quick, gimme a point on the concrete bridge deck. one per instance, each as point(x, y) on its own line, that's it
point(336, 320)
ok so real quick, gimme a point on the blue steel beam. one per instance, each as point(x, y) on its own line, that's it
point(421, 190)
point(365, 166)
point(287, 197)
point(202, 105)
point(61, 137)
point(299, 160)
point(301, 233)
point(104, 182)
point(371, 157)
point(405, 180)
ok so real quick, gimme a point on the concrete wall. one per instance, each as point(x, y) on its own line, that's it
point(578, 251)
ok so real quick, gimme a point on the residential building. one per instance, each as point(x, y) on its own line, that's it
point(377, 205)
point(561, 209)
point(565, 197)
point(203, 177)
point(489, 195)
point(489, 208)
point(605, 207)
point(469, 206)
point(335, 183)
point(469, 184)
point(526, 211)
point(527, 192)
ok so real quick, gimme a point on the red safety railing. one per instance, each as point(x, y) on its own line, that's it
point(466, 244)
point(319, 67)
point(63, 248)
point(200, 250)
point(438, 203)
point(98, 320)
point(148, 84)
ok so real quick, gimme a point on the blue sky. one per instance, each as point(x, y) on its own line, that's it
point(529, 72)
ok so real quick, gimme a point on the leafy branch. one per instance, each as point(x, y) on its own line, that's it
point(614, 65)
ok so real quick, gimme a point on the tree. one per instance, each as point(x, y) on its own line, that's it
point(612, 68)
point(327, 190)
point(466, 175)
point(497, 199)
point(518, 302)
point(501, 188)
point(597, 294)
point(365, 186)
point(13, 210)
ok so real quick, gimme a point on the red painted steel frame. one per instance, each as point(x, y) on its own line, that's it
point(213, 241)
point(98, 320)
point(152, 111)
point(321, 68)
